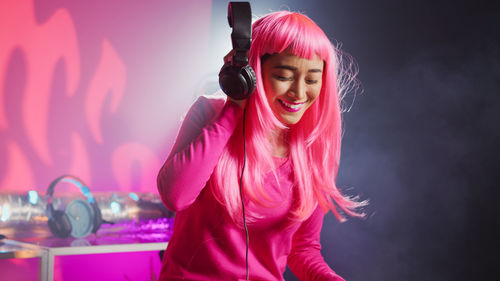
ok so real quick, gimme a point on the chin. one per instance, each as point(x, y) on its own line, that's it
point(289, 120)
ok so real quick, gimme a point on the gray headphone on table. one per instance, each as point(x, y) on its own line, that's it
point(79, 218)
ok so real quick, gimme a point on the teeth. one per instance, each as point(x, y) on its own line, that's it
point(292, 106)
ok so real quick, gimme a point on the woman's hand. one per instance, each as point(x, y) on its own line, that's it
point(241, 103)
point(229, 56)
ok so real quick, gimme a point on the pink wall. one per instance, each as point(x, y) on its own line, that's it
point(95, 89)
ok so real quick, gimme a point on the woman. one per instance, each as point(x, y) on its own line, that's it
point(292, 148)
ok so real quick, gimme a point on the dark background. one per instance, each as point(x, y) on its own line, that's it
point(421, 140)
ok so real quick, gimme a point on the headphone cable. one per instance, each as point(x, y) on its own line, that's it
point(241, 194)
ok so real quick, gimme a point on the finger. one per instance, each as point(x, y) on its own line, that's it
point(229, 56)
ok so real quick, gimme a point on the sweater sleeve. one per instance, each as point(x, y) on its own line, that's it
point(305, 259)
point(203, 135)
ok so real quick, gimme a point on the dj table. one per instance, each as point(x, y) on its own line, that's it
point(149, 235)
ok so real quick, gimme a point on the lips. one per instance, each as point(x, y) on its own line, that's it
point(291, 106)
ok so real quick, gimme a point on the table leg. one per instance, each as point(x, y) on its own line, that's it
point(46, 266)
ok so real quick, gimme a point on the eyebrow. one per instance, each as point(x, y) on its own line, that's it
point(292, 68)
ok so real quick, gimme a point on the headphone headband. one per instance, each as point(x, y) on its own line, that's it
point(239, 16)
point(64, 223)
point(75, 181)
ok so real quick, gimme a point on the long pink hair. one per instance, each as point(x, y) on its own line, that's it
point(314, 142)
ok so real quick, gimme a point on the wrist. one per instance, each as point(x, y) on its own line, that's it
point(240, 103)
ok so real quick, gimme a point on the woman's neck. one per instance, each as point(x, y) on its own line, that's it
point(279, 143)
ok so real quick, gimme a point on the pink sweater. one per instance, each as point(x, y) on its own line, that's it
point(206, 244)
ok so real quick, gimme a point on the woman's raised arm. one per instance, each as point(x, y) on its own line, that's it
point(203, 135)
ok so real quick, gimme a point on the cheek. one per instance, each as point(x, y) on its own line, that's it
point(272, 90)
point(269, 91)
point(268, 87)
point(314, 93)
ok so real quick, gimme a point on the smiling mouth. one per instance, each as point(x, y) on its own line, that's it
point(291, 107)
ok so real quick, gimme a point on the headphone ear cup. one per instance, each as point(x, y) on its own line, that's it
point(237, 82)
point(251, 80)
point(60, 224)
point(97, 217)
point(230, 82)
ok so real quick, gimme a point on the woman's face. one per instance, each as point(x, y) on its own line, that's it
point(292, 84)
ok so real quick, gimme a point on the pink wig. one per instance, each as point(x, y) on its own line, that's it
point(314, 141)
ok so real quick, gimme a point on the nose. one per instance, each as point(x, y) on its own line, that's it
point(298, 90)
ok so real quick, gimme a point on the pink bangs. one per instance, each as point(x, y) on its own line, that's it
point(292, 32)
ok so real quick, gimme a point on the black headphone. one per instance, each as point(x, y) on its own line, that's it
point(237, 78)
point(79, 218)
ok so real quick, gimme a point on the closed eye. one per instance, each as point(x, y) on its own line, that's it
point(282, 78)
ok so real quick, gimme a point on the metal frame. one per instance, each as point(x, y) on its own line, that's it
point(12, 249)
point(46, 269)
